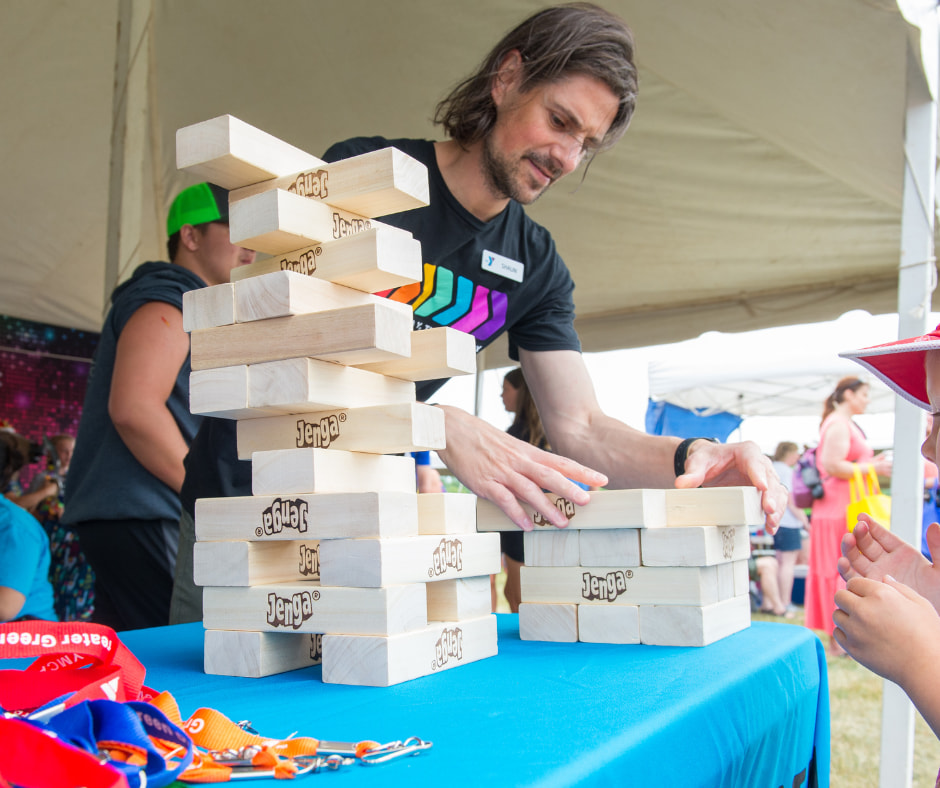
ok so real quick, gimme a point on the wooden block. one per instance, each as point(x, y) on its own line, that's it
point(610, 547)
point(374, 260)
point(284, 293)
point(694, 545)
point(256, 654)
point(557, 623)
point(725, 580)
point(435, 353)
point(370, 563)
point(678, 625)
point(306, 385)
point(612, 624)
point(382, 662)
point(255, 563)
point(276, 222)
point(209, 307)
point(460, 599)
point(447, 513)
point(642, 585)
point(739, 506)
point(382, 429)
point(322, 516)
point(558, 547)
point(310, 607)
point(350, 335)
point(372, 184)
point(607, 509)
point(329, 471)
point(231, 153)
point(742, 578)
point(224, 394)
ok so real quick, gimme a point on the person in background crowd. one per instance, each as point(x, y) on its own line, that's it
point(25, 591)
point(842, 448)
point(788, 539)
point(526, 426)
point(135, 430)
point(72, 578)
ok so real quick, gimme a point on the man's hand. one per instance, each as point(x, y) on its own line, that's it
point(736, 465)
point(505, 470)
point(873, 552)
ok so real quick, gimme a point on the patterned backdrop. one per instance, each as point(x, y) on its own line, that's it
point(43, 374)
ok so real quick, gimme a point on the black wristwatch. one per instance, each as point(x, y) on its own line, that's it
point(682, 454)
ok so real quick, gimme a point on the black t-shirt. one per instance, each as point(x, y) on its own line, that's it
point(472, 273)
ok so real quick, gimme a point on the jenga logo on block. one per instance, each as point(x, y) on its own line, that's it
point(345, 227)
point(316, 647)
point(291, 612)
point(311, 184)
point(448, 555)
point(563, 505)
point(319, 434)
point(310, 561)
point(727, 542)
point(449, 646)
point(606, 588)
point(305, 263)
point(283, 514)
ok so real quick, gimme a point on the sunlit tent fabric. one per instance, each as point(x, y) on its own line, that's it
point(756, 186)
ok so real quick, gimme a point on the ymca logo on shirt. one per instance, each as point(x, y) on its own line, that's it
point(503, 266)
point(446, 299)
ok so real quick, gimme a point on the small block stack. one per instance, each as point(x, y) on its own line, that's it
point(659, 567)
point(333, 558)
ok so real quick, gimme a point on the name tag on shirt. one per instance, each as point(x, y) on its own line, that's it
point(503, 266)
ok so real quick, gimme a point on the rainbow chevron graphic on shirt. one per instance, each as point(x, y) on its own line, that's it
point(458, 303)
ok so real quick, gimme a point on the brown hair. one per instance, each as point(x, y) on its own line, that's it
point(14, 451)
point(783, 449)
point(527, 415)
point(575, 38)
point(838, 395)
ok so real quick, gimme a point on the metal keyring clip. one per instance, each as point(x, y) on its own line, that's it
point(395, 749)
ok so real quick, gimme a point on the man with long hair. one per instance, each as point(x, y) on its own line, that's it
point(558, 89)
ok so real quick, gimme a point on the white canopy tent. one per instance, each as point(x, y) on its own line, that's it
point(763, 182)
point(760, 183)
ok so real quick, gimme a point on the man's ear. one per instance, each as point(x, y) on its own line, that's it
point(508, 76)
point(189, 237)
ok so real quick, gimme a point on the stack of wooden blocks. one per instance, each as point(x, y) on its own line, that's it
point(660, 567)
point(334, 556)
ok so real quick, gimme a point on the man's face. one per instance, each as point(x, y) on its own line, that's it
point(543, 134)
point(932, 364)
point(218, 254)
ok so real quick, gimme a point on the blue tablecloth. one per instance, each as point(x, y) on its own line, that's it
point(751, 710)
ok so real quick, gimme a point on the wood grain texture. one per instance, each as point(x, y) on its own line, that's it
point(381, 429)
point(322, 516)
point(349, 335)
point(372, 184)
point(383, 662)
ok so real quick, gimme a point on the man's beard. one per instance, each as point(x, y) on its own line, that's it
point(500, 175)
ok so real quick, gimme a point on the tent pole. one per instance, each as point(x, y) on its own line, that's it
point(916, 281)
point(129, 123)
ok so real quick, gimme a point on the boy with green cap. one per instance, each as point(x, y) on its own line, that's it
point(126, 473)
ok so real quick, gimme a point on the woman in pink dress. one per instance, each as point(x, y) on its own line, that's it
point(842, 446)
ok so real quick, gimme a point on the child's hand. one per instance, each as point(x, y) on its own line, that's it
point(888, 627)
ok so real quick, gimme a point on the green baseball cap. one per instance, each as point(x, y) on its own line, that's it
point(199, 204)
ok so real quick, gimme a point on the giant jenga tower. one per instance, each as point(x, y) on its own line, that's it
point(660, 567)
point(334, 549)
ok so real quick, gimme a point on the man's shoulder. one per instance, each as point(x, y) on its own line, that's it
point(355, 146)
